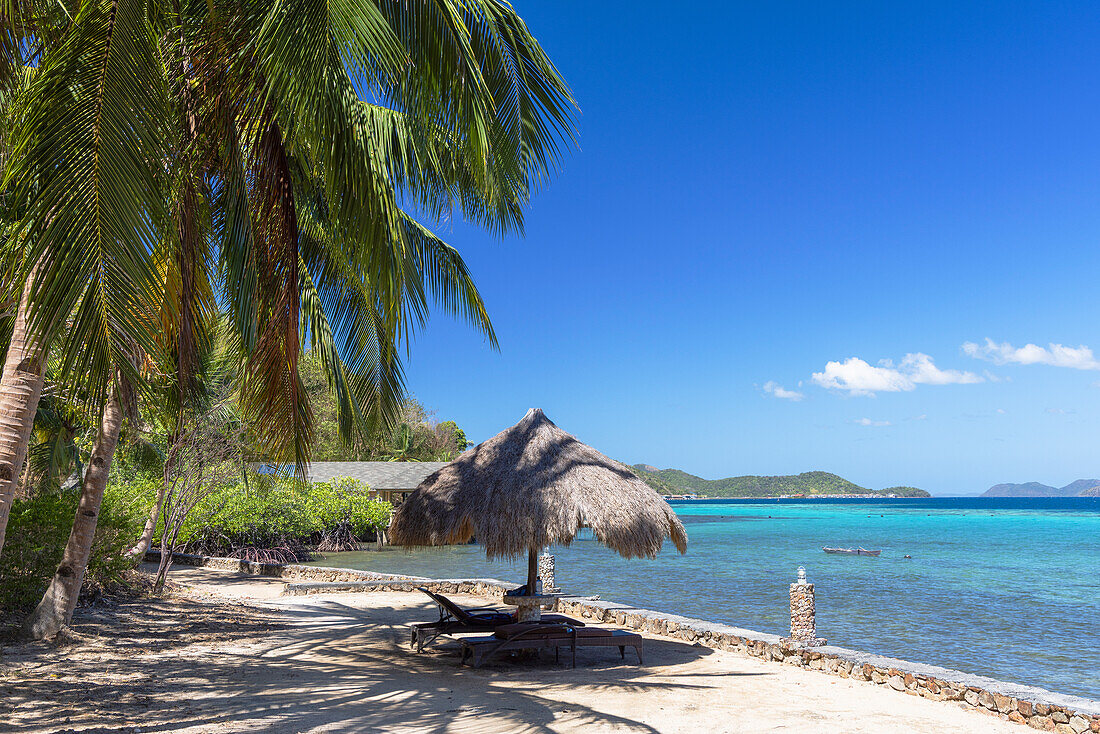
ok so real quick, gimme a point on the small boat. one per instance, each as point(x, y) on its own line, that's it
point(852, 551)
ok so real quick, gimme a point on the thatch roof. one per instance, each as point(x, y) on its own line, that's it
point(531, 486)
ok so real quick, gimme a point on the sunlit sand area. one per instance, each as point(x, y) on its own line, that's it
point(227, 653)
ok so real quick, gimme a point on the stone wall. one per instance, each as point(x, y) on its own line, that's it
point(322, 574)
point(1036, 707)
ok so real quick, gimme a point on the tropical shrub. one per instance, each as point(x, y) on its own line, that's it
point(35, 540)
point(282, 520)
point(38, 529)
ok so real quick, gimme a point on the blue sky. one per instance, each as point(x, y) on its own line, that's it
point(764, 189)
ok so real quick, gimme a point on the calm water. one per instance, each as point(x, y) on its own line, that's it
point(1008, 588)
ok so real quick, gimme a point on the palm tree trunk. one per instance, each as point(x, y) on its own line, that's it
point(20, 389)
point(139, 549)
point(57, 605)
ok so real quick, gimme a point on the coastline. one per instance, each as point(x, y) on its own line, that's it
point(1039, 708)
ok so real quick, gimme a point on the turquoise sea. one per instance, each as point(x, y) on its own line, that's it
point(1008, 588)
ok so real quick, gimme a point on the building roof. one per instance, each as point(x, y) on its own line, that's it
point(378, 475)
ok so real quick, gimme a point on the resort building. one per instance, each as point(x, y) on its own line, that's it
point(389, 480)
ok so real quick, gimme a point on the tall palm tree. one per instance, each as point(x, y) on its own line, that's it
point(264, 148)
point(25, 359)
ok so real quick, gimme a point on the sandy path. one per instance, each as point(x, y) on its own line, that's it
point(230, 655)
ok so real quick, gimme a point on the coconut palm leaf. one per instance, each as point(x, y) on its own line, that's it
point(509, 103)
point(256, 160)
point(87, 158)
point(271, 386)
point(477, 81)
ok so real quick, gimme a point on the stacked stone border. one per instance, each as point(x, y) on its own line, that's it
point(322, 574)
point(1037, 707)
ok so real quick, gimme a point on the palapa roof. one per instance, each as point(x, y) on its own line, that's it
point(531, 486)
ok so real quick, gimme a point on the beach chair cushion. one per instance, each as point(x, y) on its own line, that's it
point(505, 631)
point(560, 619)
point(594, 632)
point(527, 637)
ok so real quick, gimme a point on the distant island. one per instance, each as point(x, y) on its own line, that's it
point(1079, 488)
point(808, 484)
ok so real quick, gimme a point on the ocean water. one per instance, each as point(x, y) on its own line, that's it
point(1008, 588)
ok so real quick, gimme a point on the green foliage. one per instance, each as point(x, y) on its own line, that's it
point(347, 500)
point(456, 433)
point(676, 481)
point(415, 437)
point(121, 518)
point(38, 528)
point(281, 513)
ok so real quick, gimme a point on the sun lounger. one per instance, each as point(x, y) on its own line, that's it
point(529, 636)
point(454, 618)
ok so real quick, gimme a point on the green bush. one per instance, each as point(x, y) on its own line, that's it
point(38, 529)
point(121, 519)
point(283, 515)
point(347, 501)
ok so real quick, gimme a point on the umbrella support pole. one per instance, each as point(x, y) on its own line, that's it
point(532, 571)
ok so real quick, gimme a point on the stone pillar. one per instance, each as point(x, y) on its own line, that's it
point(803, 624)
point(546, 574)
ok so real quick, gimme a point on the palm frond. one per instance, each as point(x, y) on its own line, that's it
point(271, 387)
point(479, 72)
point(449, 280)
point(87, 158)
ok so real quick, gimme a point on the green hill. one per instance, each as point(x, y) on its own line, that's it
point(677, 481)
point(904, 491)
point(1080, 488)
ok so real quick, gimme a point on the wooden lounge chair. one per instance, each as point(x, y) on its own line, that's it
point(453, 618)
point(529, 636)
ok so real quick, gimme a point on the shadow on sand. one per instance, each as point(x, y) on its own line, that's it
point(169, 665)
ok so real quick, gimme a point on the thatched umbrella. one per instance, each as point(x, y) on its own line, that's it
point(531, 486)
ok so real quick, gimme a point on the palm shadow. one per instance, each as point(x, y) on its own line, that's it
point(293, 665)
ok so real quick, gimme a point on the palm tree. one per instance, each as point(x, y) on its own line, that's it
point(25, 360)
point(260, 151)
point(405, 445)
point(20, 390)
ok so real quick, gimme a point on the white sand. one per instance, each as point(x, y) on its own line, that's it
point(231, 655)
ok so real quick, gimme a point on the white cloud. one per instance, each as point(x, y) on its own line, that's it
point(869, 422)
point(1060, 411)
point(775, 389)
point(1055, 355)
point(923, 372)
point(860, 378)
point(1000, 411)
